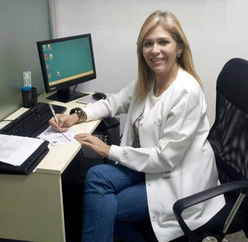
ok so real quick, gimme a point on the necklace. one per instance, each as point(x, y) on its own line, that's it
point(156, 92)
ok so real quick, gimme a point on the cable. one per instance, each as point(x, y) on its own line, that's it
point(74, 88)
point(81, 153)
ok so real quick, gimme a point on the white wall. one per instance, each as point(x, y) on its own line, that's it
point(217, 31)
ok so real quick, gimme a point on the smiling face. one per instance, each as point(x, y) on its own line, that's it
point(160, 51)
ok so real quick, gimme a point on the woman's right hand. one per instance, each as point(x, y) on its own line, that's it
point(64, 121)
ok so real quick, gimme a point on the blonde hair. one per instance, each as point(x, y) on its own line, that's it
point(170, 24)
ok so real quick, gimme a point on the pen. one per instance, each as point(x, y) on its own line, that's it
point(55, 117)
point(56, 120)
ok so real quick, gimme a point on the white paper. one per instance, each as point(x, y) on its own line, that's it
point(87, 99)
point(14, 150)
point(58, 138)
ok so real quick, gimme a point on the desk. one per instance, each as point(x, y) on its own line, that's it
point(31, 207)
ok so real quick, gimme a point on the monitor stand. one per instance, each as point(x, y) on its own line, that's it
point(65, 95)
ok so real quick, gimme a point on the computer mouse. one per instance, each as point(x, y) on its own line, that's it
point(99, 95)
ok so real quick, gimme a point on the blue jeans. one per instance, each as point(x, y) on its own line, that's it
point(114, 196)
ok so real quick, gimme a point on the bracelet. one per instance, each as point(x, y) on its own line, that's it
point(80, 113)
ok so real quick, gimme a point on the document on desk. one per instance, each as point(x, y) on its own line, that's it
point(58, 138)
point(14, 150)
point(87, 99)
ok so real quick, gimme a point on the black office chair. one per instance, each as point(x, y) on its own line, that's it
point(229, 139)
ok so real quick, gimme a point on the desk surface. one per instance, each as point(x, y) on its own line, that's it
point(60, 156)
point(36, 212)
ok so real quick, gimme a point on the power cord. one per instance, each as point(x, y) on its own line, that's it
point(74, 88)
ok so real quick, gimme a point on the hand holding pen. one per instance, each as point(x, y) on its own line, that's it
point(56, 120)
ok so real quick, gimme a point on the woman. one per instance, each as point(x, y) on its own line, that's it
point(164, 153)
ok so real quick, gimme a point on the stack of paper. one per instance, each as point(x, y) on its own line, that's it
point(14, 150)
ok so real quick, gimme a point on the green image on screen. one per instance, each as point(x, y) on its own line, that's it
point(67, 60)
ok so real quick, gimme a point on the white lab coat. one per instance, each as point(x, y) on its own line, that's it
point(175, 154)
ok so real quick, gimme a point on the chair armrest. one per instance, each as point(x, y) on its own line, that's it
point(189, 201)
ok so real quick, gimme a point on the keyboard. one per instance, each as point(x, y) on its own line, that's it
point(33, 122)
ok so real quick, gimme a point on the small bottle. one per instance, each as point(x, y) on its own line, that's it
point(27, 79)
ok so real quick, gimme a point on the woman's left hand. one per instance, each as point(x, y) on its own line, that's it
point(94, 143)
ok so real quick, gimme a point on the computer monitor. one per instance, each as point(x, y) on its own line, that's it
point(66, 62)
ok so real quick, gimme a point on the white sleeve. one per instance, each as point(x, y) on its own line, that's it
point(113, 105)
point(179, 130)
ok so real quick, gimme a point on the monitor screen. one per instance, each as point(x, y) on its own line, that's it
point(66, 62)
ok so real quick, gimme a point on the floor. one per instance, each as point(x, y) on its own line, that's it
point(237, 237)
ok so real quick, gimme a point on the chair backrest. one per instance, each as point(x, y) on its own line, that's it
point(229, 134)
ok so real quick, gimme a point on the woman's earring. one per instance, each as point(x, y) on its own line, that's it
point(178, 55)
